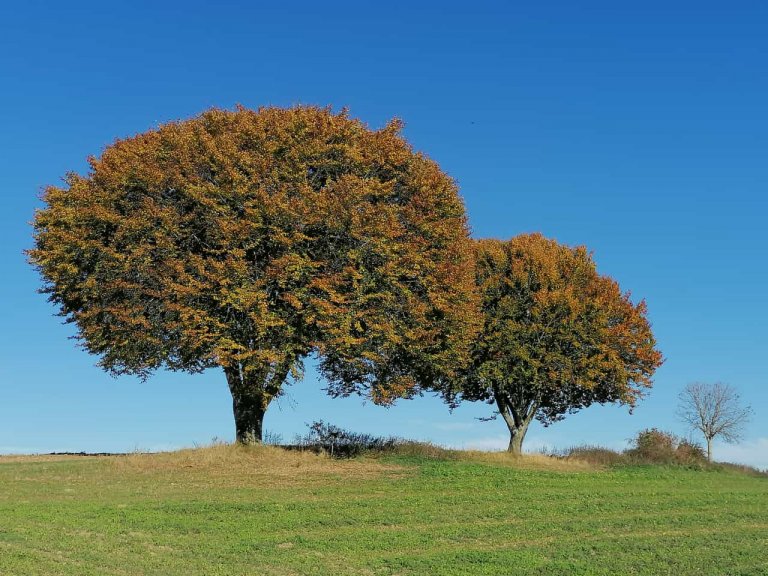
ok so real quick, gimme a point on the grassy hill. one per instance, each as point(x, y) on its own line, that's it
point(265, 511)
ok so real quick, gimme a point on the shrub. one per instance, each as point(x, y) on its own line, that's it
point(653, 446)
point(688, 452)
point(341, 443)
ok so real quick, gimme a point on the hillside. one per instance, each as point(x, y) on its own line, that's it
point(236, 511)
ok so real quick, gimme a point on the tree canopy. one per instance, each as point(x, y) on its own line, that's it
point(249, 240)
point(557, 335)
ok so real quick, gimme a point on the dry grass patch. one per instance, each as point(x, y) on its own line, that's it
point(260, 464)
point(25, 458)
point(539, 462)
point(532, 462)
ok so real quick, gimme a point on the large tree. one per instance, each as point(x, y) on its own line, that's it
point(558, 336)
point(248, 240)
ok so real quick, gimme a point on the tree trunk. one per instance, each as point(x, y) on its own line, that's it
point(251, 394)
point(516, 420)
point(516, 437)
point(249, 407)
point(709, 449)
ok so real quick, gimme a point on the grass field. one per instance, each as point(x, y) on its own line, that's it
point(264, 511)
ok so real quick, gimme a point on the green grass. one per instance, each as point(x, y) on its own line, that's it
point(235, 511)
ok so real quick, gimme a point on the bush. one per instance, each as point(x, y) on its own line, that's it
point(341, 443)
point(653, 446)
point(650, 446)
point(689, 452)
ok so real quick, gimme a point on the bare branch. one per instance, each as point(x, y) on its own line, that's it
point(715, 410)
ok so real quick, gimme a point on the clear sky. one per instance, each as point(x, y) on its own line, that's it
point(639, 131)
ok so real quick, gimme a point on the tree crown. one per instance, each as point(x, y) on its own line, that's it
point(250, 239)
point(714, 409)
point(557, 335)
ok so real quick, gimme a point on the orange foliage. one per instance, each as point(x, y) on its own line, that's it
point(558, 336)
point(250, 239)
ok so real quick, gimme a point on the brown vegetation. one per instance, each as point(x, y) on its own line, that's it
point(248, 240)
point(558, 336)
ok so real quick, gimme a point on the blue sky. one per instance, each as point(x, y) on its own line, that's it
point(639, 131)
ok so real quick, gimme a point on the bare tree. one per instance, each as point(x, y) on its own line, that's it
point(714, 410)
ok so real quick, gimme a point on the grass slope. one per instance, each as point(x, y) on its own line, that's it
point(262, 511)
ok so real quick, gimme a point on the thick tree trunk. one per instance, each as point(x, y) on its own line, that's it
point(516, 437)
point(252, 391)
point(516, 419)
point(709, 449)
point(249, 407)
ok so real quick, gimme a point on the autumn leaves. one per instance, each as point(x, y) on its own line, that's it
point(557, 336)
point(250, 239)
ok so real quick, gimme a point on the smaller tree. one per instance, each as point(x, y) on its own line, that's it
point(715, 410)
point(557, 336)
